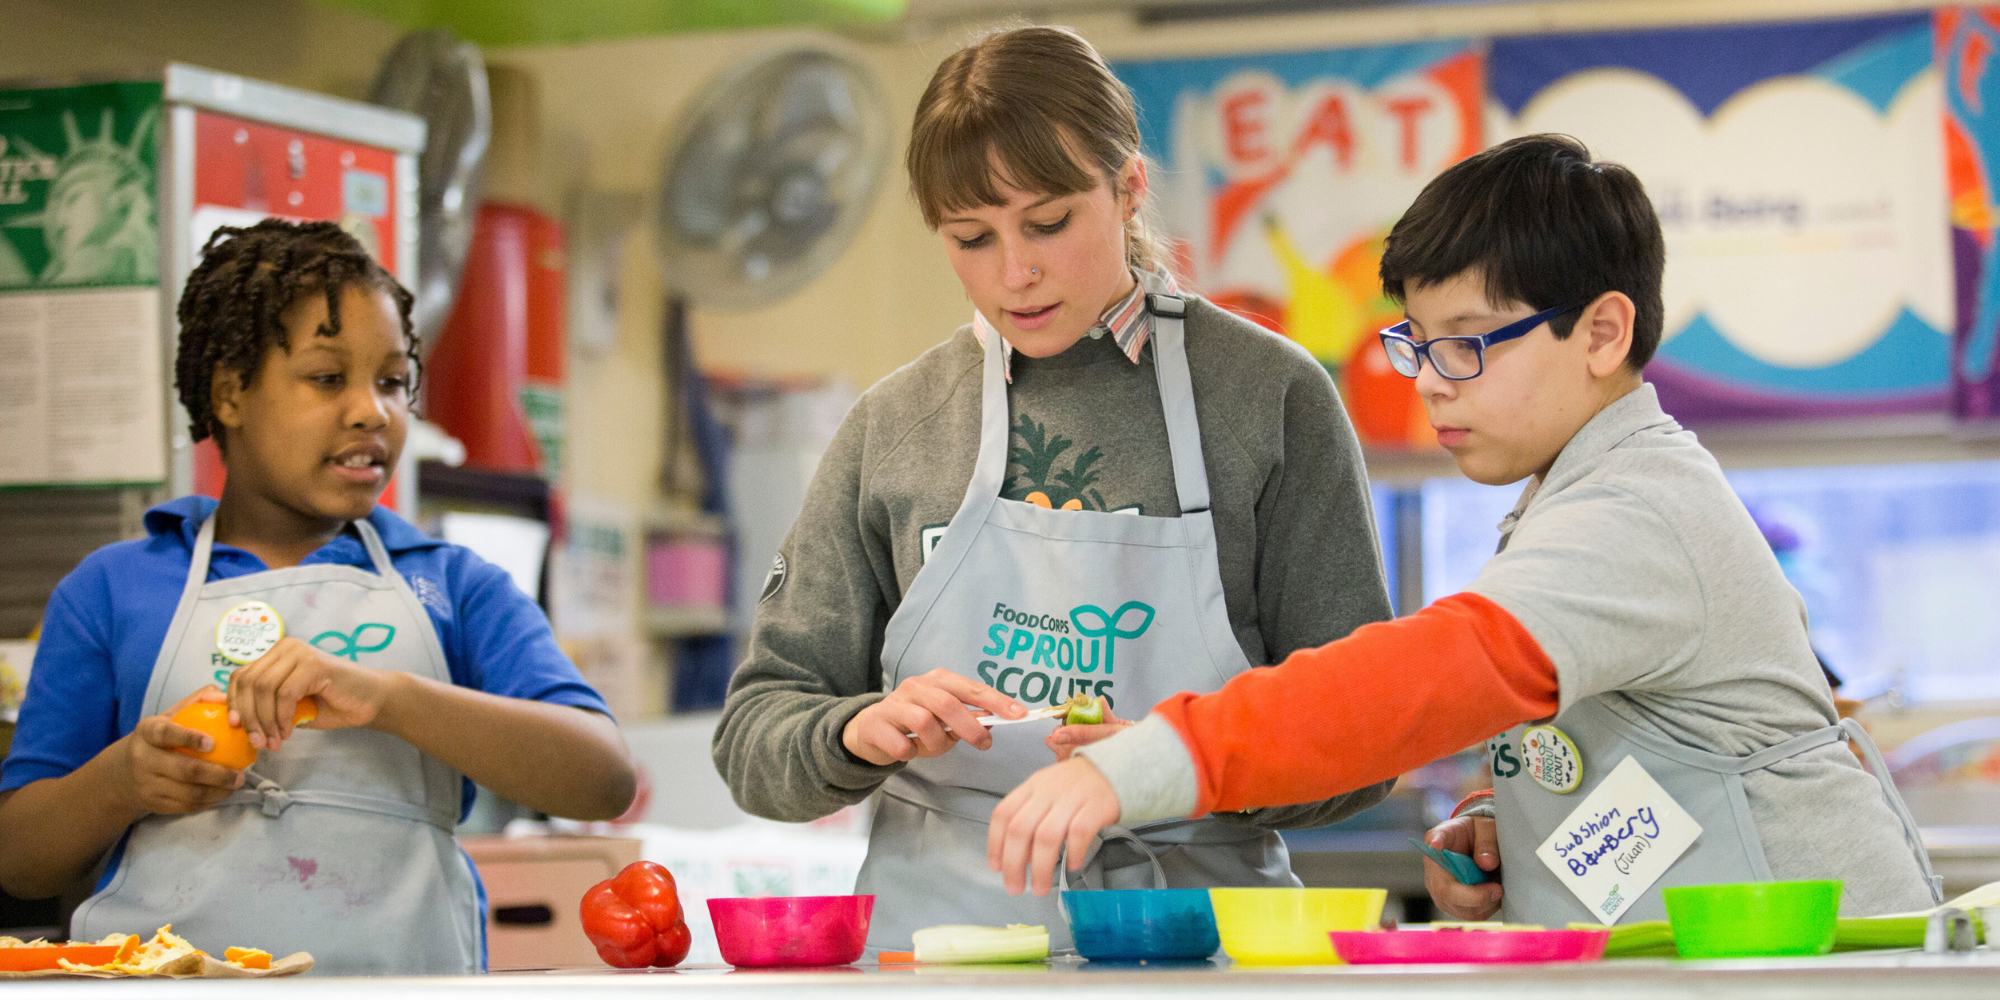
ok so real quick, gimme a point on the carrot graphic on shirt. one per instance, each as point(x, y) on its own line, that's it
point(1039, 482)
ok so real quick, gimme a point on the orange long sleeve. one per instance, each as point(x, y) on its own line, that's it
point(1389, 698)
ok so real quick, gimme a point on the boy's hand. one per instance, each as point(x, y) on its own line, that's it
point(263, 695)
point(931, 708)
point(1066, 739)
point(1473, 835)
point(1063, 805)
point(155, 779)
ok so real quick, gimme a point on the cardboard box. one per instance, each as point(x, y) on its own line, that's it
point(534, 886)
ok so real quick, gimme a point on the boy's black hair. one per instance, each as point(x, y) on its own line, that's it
point(230, 310)
point(1545, 226)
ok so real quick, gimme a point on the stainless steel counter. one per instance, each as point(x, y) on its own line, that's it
point(1873, 975)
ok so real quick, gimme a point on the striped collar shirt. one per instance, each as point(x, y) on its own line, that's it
point(1129, 323)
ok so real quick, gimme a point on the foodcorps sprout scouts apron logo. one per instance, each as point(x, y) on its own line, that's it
point(1064, 655)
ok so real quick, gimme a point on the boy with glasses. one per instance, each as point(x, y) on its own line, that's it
point(1632, 659)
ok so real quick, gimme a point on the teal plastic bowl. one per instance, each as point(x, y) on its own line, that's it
point(1753, 919)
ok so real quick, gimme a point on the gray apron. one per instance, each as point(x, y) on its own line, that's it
point(340, 844)
point(1043, 604)
point(1708, 785)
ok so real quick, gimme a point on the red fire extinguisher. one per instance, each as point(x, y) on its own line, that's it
point(495, 379)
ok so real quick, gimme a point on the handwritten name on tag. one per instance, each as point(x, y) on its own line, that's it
point(1619, 841)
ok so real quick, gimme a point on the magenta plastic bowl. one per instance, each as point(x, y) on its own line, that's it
point(1483, 947)
point(771, 931)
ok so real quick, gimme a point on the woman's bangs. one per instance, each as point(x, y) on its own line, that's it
point(967, 162)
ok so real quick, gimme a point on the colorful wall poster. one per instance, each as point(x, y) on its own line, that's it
point(81, 392)
point(1798, 172)
point(1278, 175)
point(1967, 40)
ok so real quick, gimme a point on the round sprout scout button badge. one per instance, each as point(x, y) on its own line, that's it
point(1552, 759)
point(248, 631)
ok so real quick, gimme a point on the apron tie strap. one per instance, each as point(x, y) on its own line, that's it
point(271, 796)
point(1851, 730)
point(1095, 858)
point(976, 806)
point(273, 799)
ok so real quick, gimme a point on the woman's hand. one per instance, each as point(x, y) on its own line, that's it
point(1473, 835)
point(152, 778)
point(263, 695)
point(1063, 805)
point(931, 708)
point(1066, 739)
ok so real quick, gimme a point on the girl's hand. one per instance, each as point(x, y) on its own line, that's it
point(152, 778)
point(1063, 805)
point(263, 695)
point(932, 708)
point(1066, 739)
point(1473, 835)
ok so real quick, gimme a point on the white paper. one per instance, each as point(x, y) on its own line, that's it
point(515, 544)
point(594, 573)
point(81, 394)
point(1619, 841)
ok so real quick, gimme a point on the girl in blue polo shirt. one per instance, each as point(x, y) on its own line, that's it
point(430, 668)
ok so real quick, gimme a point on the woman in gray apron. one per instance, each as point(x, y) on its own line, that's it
point(1140, 496)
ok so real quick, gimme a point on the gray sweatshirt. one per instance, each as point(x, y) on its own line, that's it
point(1296, 541)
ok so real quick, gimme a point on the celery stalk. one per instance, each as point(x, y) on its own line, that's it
point(963, 943)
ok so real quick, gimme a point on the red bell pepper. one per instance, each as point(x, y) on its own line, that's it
point(634, 918)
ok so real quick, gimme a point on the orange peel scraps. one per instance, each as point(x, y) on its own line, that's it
point(249, 958)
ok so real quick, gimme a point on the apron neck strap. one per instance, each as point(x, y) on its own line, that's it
point(991, 468)
point(204, 546)
point(377, 552)
point(1176, 402)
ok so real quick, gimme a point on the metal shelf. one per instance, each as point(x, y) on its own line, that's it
point(685, 621)
point(665, 520)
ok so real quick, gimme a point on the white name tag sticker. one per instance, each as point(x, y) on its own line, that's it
point(1619, 841)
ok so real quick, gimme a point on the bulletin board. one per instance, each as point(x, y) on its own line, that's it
point(81, 391)
point(1280, 174)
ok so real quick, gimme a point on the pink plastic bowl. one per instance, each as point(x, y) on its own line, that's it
point(791, 930)
point(1468, 946)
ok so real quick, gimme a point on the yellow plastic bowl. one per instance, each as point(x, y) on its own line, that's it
point(1290, 926)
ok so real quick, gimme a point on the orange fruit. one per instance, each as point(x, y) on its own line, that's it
point(249, 958)
point(232, 743)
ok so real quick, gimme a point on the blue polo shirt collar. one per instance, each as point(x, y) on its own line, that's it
point(183, 516)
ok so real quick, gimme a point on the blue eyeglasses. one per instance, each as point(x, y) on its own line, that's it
point(1457, 358)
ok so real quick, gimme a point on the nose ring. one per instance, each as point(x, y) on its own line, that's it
point(1034, 270)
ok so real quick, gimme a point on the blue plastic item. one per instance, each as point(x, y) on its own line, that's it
point(1461, 866)
point(1134, 924)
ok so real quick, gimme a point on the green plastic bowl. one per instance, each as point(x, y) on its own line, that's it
point(1753, 919)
